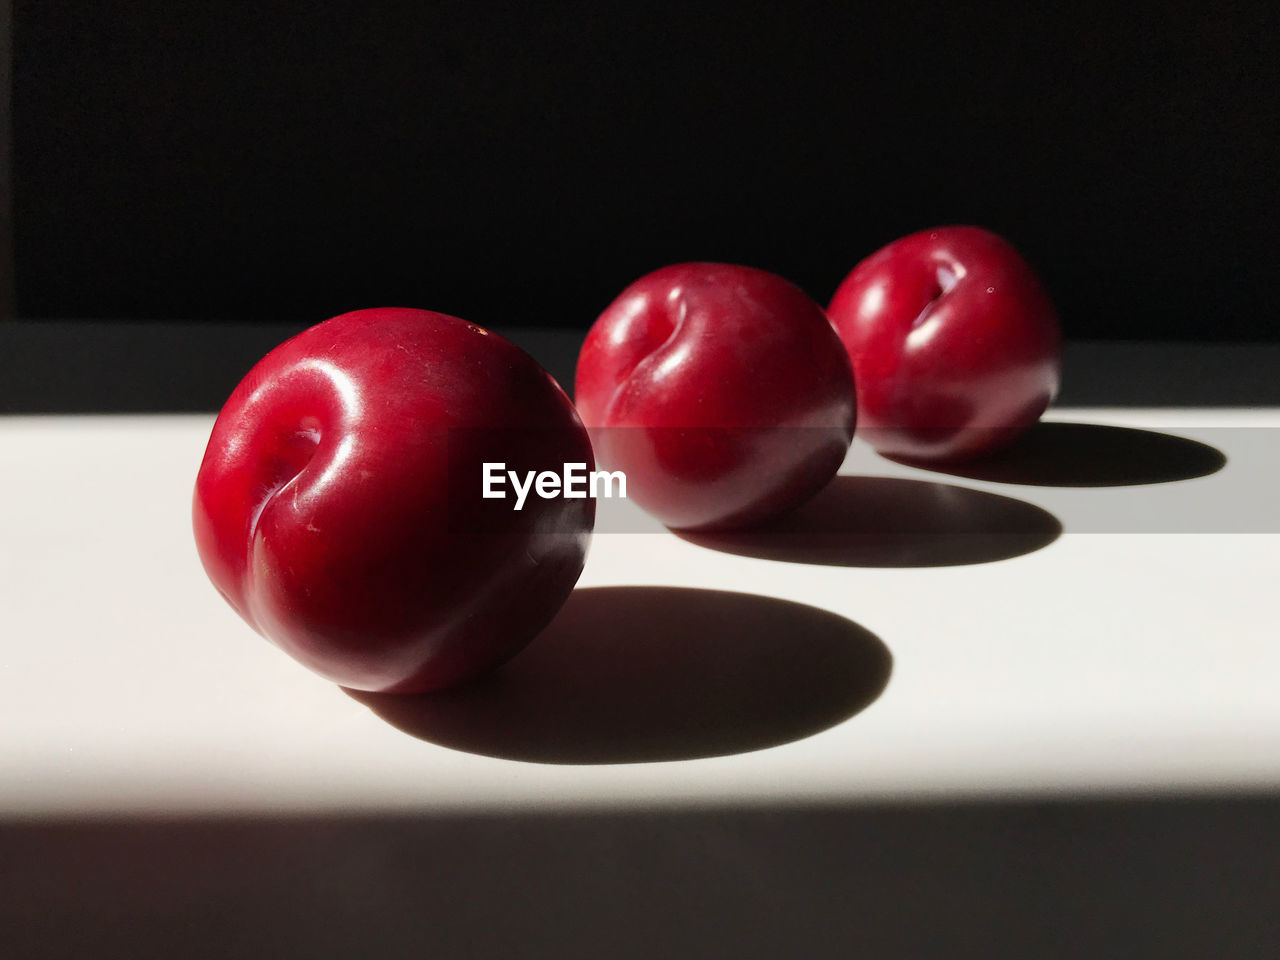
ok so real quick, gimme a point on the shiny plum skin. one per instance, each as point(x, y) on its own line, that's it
point(721, 391)
point(954, 342)
point(338, 509)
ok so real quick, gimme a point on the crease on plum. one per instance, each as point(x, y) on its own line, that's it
point(273, 493)
point(676, 300)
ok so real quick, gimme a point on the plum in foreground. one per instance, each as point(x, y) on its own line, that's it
point(338, 508)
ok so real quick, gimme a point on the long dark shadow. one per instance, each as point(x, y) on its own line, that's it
point(631, 674)
point(1091, 455)
point(894, 522)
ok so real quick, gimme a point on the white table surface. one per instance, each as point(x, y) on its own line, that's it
point(1121, 657)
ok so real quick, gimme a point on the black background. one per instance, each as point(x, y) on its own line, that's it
point(519, 165)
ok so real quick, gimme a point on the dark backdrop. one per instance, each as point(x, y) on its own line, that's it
point(519, 164)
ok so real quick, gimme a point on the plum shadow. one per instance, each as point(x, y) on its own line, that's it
point(1090, 455)
point(893, 522)
point(638, 674)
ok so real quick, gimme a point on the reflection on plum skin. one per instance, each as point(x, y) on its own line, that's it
point(636, 674)
point(1054, 454)
point(893, 522)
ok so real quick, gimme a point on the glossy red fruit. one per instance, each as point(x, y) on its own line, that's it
point(721, 391)
point(338, 508)
point(954, 343)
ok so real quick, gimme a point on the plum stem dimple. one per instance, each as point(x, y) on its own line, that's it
point(675, 303)
point(294, 451)
point(946, 276)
